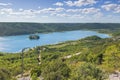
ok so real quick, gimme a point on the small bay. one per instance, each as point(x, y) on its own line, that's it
point(17, 43)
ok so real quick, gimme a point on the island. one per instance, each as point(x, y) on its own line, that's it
point(34, 37)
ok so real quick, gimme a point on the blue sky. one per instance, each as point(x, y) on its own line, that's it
point(60, 11)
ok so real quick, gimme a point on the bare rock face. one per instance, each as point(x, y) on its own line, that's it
point(116, 38)
point(24, 78)
point(114, 76)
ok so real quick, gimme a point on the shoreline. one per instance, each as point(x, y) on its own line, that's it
point(52, 44)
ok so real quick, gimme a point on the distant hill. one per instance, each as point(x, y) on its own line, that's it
point(7, 29)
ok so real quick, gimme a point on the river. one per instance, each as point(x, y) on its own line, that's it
point(17, 43)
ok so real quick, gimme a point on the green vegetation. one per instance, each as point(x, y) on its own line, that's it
point(4, 74)
point(7, 29)
point(97, 57)
point(88, 71)
point(34, 37)
point(55, 70)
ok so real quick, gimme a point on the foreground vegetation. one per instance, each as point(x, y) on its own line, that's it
point(97, 59)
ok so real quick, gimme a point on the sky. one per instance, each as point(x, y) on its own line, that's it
point(60, 11)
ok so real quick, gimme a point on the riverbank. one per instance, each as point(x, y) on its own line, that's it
point(12, 29)
point(13, 43)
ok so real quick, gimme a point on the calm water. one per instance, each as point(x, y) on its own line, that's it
point(17, 43)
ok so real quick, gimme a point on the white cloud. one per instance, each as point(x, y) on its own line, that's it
point(117, 9)
point(20, 13)
point(5, 4)
point(59, 9)
point(80, 3)
point(109, 7)
point(58, 4)
point(50, 10)
point(85, 10)
point(98, 15)
point(44, 16)
point(29, 13)
point(112, 7)
point(69, 3)
point(6, 10)
point(77, 16)
point(21, 9)
point(47, 12)
point(39, 7)
point(63, 15)
point(68, 15)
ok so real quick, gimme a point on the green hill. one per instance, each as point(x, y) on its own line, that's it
point(97, 59)
point(7, 29)
point(91, 58)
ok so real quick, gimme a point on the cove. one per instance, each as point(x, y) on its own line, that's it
point(14, 44)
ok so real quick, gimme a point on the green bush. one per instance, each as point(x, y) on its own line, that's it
point(56, 70)
point(4, 74)
point(87, 71)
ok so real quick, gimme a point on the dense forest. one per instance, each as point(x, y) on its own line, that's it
point(7, 29)
point(90, 58)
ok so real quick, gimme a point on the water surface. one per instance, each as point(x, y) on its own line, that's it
point(17, 43)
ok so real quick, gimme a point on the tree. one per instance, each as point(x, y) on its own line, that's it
point(100, 58)
point(112, 56)
point(87, 71)
point(56, 70)
point(4, 74)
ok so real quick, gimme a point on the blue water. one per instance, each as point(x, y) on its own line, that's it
point(17, 43)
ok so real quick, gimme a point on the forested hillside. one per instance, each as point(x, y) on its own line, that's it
point(91, 58)
point(7, 29)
